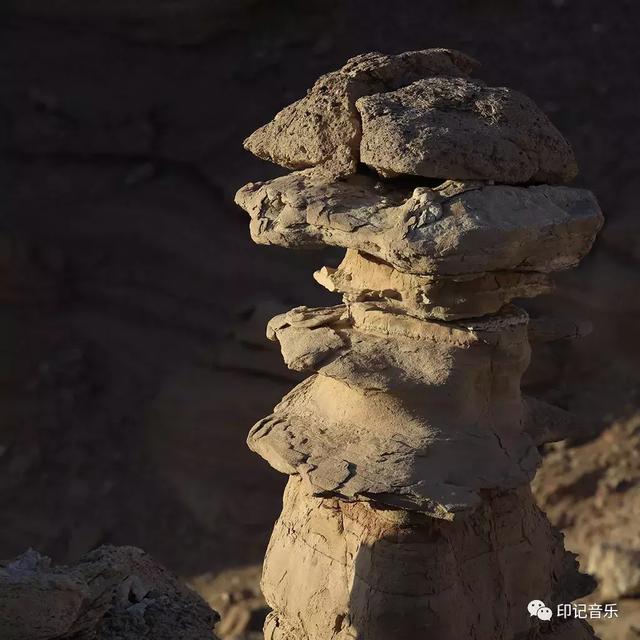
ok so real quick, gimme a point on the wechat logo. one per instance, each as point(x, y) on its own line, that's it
point(538, 609)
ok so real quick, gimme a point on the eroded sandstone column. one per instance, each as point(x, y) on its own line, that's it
point(410, 448)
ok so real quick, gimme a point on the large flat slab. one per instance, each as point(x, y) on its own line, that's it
point(457, 228)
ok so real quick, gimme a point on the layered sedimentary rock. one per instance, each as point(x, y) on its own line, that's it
point(453, 229)
point(410, 447)
point(362, 278)
point(349, 570)
point(403, 412)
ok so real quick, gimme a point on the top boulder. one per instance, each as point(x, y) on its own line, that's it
point(324, 129)
point(462, 130)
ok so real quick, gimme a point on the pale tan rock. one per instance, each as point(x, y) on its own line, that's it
point(463, 130)
point(337, 571)
point(403, 412)
point(618, 566)
point(410, 448)
point(453, 230)
point(323, 128)
point(363, 278)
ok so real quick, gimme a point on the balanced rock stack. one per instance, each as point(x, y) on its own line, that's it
point(410, 449)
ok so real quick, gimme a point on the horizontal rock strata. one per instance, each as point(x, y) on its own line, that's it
point(410, 448)
point(412, 414)
point(363, 278)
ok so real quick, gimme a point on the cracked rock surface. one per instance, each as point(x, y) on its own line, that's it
point(450, 230)
point(323, 128)
point(411, 414)
point(410, 448)
point(112, 593)
point(336, 570)
point(461, 129)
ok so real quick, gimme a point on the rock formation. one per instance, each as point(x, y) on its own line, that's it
point(410, 448)
point(113, 593)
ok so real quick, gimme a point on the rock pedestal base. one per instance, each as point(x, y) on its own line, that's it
point(336, 570)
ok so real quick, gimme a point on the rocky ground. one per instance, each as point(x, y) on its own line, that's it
point(112, 593)
point(592, 492)
point(132, 356)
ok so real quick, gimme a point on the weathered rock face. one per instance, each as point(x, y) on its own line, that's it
point(451, 230)
point(113, 593)
point(410, 448)
point(411, 414)
point(336, 570)
point(362, 278)
point(323, 128)
point(460, 129)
